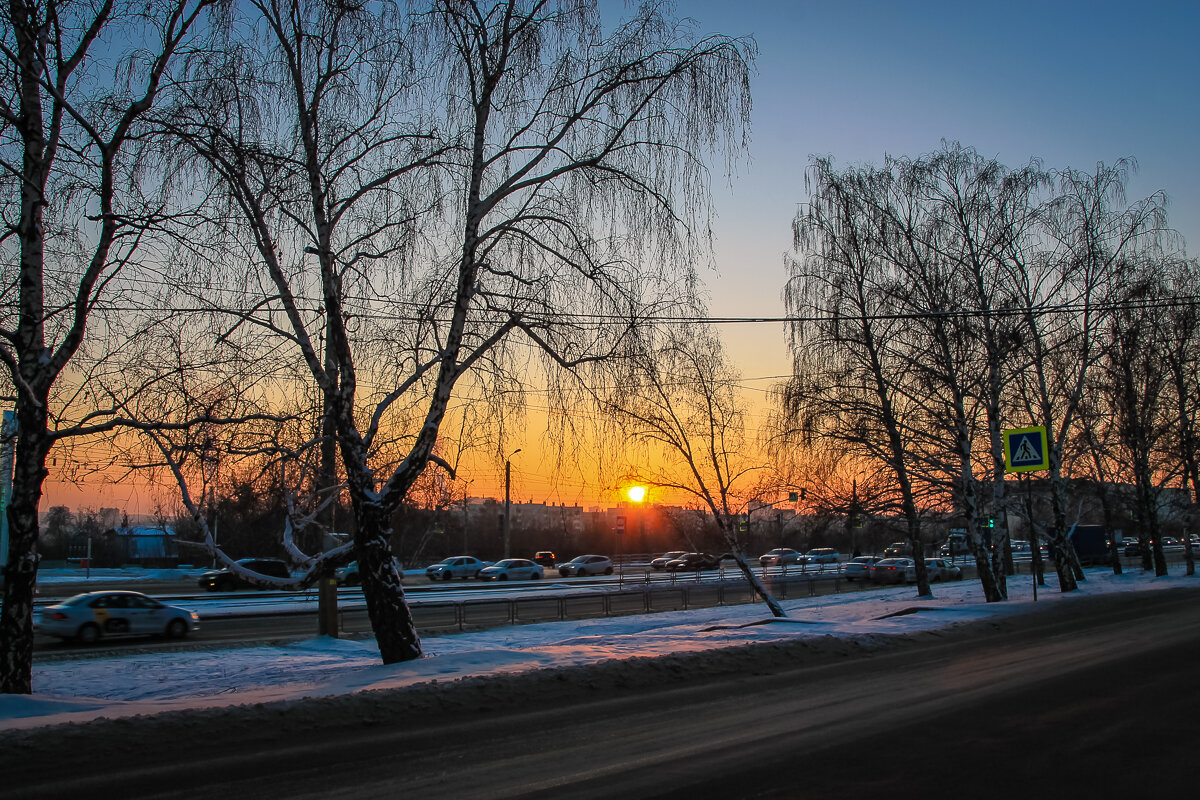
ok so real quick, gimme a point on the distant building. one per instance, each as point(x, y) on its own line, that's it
point(143, 546)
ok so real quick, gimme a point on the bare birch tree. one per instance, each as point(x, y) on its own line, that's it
point(850, 379)
point(1092, 236)
point(428, 204)
point(1182, 354)
point(982, 214)
point(680, 398)
point(76, 213)
point(1137, 383)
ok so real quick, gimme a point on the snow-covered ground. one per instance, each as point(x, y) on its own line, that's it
point(77, 690)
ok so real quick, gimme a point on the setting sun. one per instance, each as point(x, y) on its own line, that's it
point(637, 493)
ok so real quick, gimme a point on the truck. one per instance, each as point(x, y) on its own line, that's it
point(1091, 545)
point(956, 544)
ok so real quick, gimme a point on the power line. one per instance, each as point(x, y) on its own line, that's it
point(421, 311)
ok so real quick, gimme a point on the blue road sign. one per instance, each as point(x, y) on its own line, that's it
point(1025, 450)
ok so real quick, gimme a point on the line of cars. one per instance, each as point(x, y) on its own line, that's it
point(784, 556)
point(462, 567)
point(684, 561)
point(466, 567)
point(91, 616)
point(899, 570)
point(1132, 547)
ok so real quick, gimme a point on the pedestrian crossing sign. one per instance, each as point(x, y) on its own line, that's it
point(1025, 450)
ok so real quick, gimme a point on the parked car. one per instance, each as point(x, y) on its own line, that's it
point(661, 561)
point(91, 616)
point(859, 567)
point(693, 561)
point(780, 556)
point(514, 569)
point(455, 567)
point(545, 557)
point(894, 570)
point(586, 565)
point(939, 569)
point(823, 555)
point(225, 580)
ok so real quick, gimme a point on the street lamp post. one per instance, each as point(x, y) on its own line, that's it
point(507, 488)
point(466, 513)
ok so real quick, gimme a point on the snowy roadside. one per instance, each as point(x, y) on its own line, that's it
point(150, 683)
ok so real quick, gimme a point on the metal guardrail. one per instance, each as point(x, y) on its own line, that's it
point(643, 598)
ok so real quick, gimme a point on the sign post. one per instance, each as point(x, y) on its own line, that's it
point(1027, 450)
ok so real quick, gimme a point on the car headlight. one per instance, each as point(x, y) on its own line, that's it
point(195, 617)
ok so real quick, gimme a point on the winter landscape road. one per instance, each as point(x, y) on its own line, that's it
point(1092, 698)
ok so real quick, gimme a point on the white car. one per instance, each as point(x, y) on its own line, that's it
point(780, 556)
point(586, 565)
point(860, 567)
point(89, 617)
point(939, 569)
point(822, 555)
point(455, 567)
point(514, 569)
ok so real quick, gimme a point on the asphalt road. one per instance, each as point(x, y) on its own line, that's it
point(1091, 698)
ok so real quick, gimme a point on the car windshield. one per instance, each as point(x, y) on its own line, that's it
point(508, 562)
point(76, 600)
point(580, 560)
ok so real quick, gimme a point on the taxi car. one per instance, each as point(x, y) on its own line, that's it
point(91, 616)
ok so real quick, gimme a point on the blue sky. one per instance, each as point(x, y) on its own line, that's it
point(1072, 83)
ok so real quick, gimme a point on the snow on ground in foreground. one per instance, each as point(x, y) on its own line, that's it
point(78, 690)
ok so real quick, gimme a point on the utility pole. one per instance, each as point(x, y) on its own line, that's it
point(507, 489)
